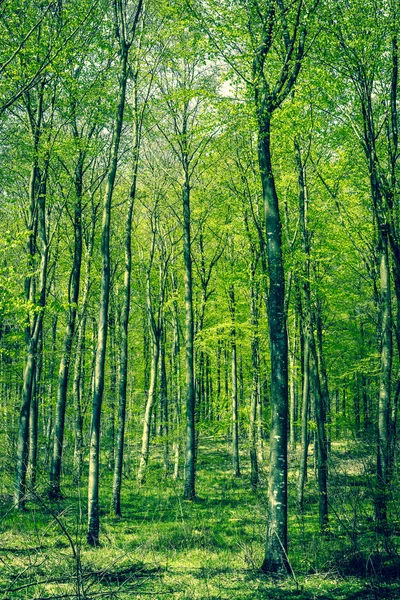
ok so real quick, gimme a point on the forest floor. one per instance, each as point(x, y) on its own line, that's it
point(210, 549)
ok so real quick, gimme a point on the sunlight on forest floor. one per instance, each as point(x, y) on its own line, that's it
point(164, 547)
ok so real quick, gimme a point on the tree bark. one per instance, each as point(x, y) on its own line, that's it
point(151, 397)
point(123, 353)
point(94, 455)
point(276, 543)
point(189, 492)
point(32, 333)
point(63, 374)
point(234, 387)
point(255, 363)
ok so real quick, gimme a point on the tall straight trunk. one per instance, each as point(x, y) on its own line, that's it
point(151, 397)
point(209, 389)
point(123, 352)
point(79, 366)
point(155, 326)
point(33, 326)
point(164, 413)
point(34, 416)
point(234, 387)
point(113, 358)
point(189, 492)
point(48, 421)
point(293, 388)
point(94, 454)
point(276, 540)
point(323, 373)
point(260, 423)
point(33, 335)
point(63, 374)
point(313, 366)
point(385, 383)
point(177, 395)
point(218, 397)
point(306, 326)
point(255, 363)
point(304, 423)
point(321, 443)
point(77, 389)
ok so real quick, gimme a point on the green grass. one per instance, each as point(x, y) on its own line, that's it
point(167, 548)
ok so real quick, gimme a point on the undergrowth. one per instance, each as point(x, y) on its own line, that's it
point(211, 548)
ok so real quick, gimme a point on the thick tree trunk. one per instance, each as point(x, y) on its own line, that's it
point(276, 542)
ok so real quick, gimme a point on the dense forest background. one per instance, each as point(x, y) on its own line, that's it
point(199, 299)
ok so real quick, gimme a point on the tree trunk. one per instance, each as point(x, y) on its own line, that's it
point(164, 402)
point(304, 423)
point(235, 415)
point(189, 492)
point(255, 363)
point(79, 366)
point(33, 335)
point(63, 374)
point(123, 353)
point(314, 375)
point(385, 380)
point(34, 416)
point(151, 397)
point(293, 388)
point(94, 455)
point(276, 541)
point(177, 386)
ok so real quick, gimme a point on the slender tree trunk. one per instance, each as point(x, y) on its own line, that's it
point(385, 381)
point(189, 492)
point(234, 388)
point(48, 422)
point(164, 413)
point(293, 388)
point(94, 455)
point(304, 423)
point(32, 344)
point(314, 375)
point(79, 366)
point(113, 358)
point(34, 416)
point(177, 395)
point(63, 374)
point(322, 457)
point(123, 354)
point(151, 397)
point(255, 362)
point(218, 398)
